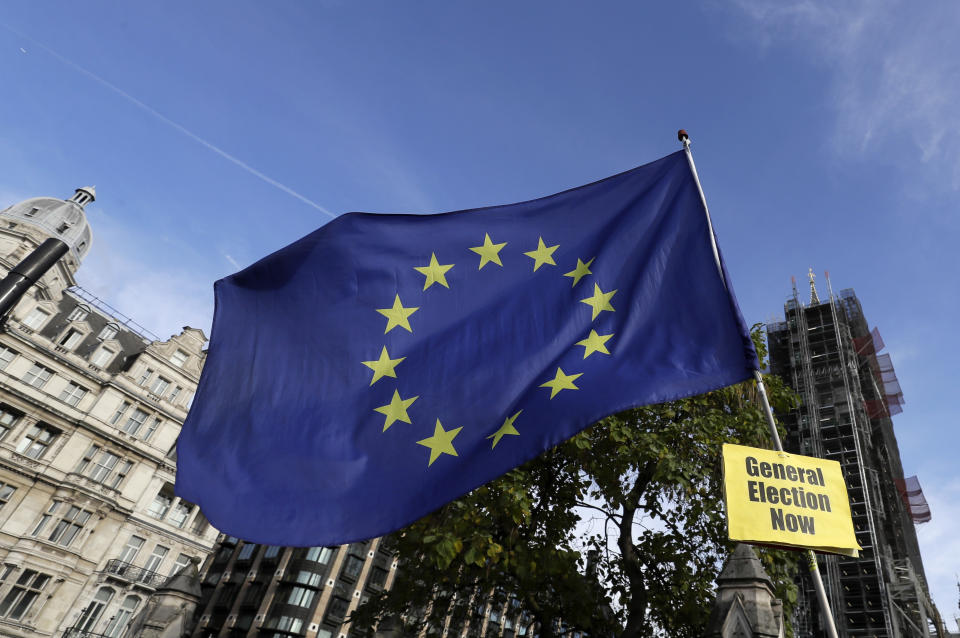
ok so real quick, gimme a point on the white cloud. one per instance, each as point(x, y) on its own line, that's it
point(895, 75)
point(162, 297)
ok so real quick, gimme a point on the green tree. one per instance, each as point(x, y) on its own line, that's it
point(651, 477)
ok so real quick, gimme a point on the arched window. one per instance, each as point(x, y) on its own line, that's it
point(93, 611)
point(118, 624)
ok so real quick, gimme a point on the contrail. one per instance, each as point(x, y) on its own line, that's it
point(166, 120)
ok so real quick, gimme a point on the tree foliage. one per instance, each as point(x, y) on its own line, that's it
point(619, 531)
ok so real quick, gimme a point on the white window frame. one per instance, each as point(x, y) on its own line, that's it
point(102, 357)
point(179, 358)
point(25, 585)
point(159, 385)
point(72, 393)
point(37, 376)
point(108, 332)
point(70, 339)
point(7, 355)
point(155, 560)
point(39, 434)
point(135, 421)
point(131, 549)
point(79, 313)
point(36, 318)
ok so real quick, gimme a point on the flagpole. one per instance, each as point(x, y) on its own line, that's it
point(811, 558)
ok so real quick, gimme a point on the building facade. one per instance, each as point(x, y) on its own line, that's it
point(90, 408)
point(262, 590)
point(826, 352)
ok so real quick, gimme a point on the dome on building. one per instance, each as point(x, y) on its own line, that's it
point(60, 218)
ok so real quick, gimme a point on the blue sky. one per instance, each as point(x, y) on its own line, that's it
point(825, 135)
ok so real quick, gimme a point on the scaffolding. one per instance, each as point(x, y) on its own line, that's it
point(826, 353)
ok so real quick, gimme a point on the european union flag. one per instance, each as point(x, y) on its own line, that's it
point(387, 364)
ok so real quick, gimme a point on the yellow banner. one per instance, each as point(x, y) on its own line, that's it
point(777, 498)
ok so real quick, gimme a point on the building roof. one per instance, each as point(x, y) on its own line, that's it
point(63, 219)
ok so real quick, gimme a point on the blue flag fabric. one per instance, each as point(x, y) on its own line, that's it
point(384, 365)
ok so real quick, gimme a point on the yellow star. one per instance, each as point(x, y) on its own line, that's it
point(594, 343)
point(435, 272)
point(561, 382)
point(397, 316)
point(489, 252)
point(396, 410)
point(600, 301)
point(581, 271)
point(440, 443)
point(542, 255)
point(383, 367)
point(506, 428)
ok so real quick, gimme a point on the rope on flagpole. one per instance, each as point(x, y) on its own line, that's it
point(771, 421)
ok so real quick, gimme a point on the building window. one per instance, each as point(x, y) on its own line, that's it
point(338, 607)
point(178, 358)
point(200, 524)
point(312, 579)
point(79, 313)
point(353, 566)
point(161, 503)
point(109, 332)
point(131, 549)
point(125, 468)
point(23, 594)
point(153, 563)
point(145, 376)
point(272, 551)
point(285, 623)
point(93, 611)
point(6, 492)
point(87, 458)
point(32, 212)
point(246, 552)
point(8, 418)
point(181, 512)
point(160, 386)
point(319, 554)
point(37, 376)
point(72, 394)
point(101, 358)
point(103, 467)
point(301, 596)
point(71, 520)
point(71, 339)
point(154, 424)
point(182, 561)
point(132, 426)
point(175, 393)
point(119, 413)
point(36, 441)
point(35, 318)
point(118, 624)
point(6, 356)
point(378, 576)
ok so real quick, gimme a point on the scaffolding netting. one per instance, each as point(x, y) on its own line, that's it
point(913, 498)
point(868, 346)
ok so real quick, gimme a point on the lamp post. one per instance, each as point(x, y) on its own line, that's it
point(28, 272)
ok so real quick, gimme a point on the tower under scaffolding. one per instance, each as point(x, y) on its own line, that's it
point(825, 351)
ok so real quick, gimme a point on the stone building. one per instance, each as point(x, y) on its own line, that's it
point(90, 408)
